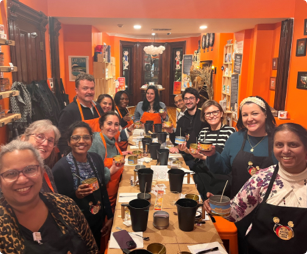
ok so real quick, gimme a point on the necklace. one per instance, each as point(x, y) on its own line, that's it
point(252, 149)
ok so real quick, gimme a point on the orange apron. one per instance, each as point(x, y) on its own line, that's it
point(93, 123)
point(129, 123)
point(113, 184)
point(48, 181)
point(122, 144)
point(151, 117)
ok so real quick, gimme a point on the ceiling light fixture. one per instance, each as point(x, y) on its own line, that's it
point(152, 50)
point(203, 27)
point(153, 34)
point(137, 26)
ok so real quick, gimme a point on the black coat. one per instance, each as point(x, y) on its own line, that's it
point(189, 125)
point(71, 114)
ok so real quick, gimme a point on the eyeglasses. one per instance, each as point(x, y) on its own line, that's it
point(189, 98)
point(13, 174)
point(214, 113)
point(77, 138)
point(40, 138)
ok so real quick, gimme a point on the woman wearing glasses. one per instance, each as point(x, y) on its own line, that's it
point(148, 110)
point(57, 222)
point(105, 144)
point(246, 151)
point(44, 136)
point(79, 165)
point(216, 133)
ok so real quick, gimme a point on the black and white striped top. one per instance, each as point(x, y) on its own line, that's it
point(218, 137)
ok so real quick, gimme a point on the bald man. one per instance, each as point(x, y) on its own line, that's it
point(181, 108)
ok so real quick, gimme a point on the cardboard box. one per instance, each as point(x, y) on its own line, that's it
point(99, 70)
point(100, 58)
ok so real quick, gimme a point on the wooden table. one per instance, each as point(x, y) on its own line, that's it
point(173, 238)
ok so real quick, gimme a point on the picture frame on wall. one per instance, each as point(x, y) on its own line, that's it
point(272, 83)
point(203, 41)
point(301, 80)
point(207, 40)
point(274, 64)
point(211, 40)
point(305, 27)
point(301, 47)
point(77, 65)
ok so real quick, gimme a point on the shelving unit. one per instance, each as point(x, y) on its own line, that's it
point(104, 74)
point(9, 118)
point(226, 82)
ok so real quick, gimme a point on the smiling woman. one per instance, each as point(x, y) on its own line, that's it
point(278, 195)
point(82, 176)
point(56, 219)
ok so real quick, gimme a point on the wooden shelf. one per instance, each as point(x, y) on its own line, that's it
point(8, 69)
point(7, 42)
point(229, 45)
point(9, 118)
point(224, 76)
point(228, 63)
point(226, 93)
point(7, 94)
point(228, 112)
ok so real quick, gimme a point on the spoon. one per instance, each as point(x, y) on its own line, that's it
point(144, 238)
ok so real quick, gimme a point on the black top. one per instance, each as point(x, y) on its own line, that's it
point(123, 112)
point(189, 125)
point(71, 114)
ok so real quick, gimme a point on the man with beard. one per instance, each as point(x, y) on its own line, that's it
point(189, 125)
point(83, 108)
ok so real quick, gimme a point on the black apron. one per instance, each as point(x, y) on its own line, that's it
point(70, 241)
point(91, 202)
point(208, 182)
point(240, 175)
point(262, 237)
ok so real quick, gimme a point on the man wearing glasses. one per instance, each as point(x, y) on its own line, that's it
point(189, 125)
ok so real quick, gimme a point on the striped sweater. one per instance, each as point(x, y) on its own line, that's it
point(218, 137)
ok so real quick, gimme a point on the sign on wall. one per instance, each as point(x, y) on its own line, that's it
point(77, 65)
point(238, 63)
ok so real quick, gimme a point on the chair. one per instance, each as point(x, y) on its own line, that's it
point(228, 232)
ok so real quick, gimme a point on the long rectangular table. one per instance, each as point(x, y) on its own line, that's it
point(173, 238)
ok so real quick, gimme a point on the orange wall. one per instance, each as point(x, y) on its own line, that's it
point(194, 9)
point(296, 98)
point(77, 42)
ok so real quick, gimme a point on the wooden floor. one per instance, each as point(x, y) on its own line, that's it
point(170, 110)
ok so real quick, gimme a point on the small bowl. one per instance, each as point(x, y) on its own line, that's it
point(167, 124)
point(137, 153)
point(179, 139)
point(193, 148)
point(132, 159)
point(147, 196)
point(161, 110)
point(156, 248)
point(192, 196)
point(138, 124)
point(205, 147)
point(119, 160)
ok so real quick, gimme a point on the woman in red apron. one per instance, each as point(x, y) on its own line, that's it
point(93, 123)
point(151, 109)
point(44, 137)
point(121, 100)
point(278, 197)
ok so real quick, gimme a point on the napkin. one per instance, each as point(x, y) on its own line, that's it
point(205, 246)
point(137, 239)
point(127, 197)
point(175, 155)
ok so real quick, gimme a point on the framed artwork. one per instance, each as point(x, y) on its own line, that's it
point(274, 64)
point(305, 27)
point(272, 83)
point(203, 42)
point(77, 65)
point(207, 40)
point(301, 80)
point(211, 40)
point(301, 47)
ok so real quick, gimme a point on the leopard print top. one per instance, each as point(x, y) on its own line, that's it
point(11, 240)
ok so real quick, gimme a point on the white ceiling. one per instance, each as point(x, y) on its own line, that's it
point(180, 27)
